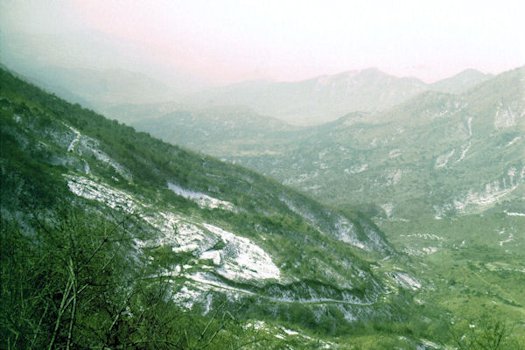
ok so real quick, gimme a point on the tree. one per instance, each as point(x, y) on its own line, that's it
point(486, 333)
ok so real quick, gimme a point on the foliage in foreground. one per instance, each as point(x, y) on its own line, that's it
point(74, 284)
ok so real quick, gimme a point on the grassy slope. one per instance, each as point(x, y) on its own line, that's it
point(35, 136)
point(476, 278)
point(153, 162)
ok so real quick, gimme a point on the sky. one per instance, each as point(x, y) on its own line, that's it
point(226, 41)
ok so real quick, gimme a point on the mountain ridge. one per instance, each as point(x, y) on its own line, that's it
point(304, 102)
point(216, 233)
point(453, 121)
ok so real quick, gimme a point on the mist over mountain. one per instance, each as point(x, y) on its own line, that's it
point(310, 101)
point(326, 98)
point(199, 175)
point(98, 71)
point(206, 233)
point(318, 99)
point(398, 151)
point(224, 235)
point(89, 67)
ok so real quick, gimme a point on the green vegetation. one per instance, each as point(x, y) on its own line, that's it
point(98, 252)
point(422, 157)
point(475, 264)
point(86, 220)
point(80, 285)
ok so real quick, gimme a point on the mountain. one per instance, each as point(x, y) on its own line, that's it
point(326, 98)
point(243, 128)
point(443, 175)
point(133, 86)
point(315, 100)
point(460, 82)
point(99, 88)
point(311, 101)
point(92, 66)
point(113, 238)
point(123, 239)
point(407, 153)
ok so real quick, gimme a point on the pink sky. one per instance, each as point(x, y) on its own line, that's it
point(227, 41)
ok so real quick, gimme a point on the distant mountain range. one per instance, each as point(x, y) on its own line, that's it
point(186, 238)
point(443, 174)
point(312, 101)
point(471, 141)
point(326, 98)
point(218, 234)
point(91, 69)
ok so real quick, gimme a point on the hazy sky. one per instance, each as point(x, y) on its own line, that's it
point(226, 40)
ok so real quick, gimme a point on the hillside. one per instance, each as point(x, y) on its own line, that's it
point(441, 174)
point(110, 215)
point(244, 129)
point(424, 156)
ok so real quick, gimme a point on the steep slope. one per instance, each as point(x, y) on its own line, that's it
point(215, 232)
point(444, 176)
point(437, 154)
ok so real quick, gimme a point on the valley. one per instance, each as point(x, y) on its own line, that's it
point(415, 170)
point(410, 248)
point(262, 175)
point(207, 235)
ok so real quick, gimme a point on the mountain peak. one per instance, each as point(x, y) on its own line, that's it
point(372, 71)
point(470, 73)
point(461, 81)
point(472, 70)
